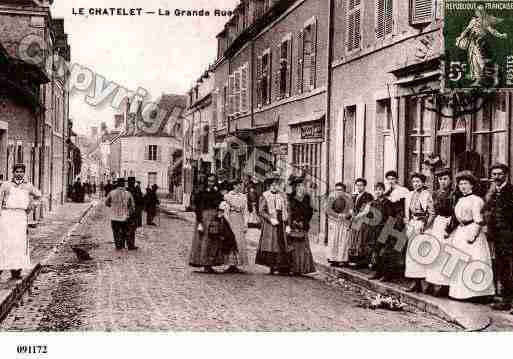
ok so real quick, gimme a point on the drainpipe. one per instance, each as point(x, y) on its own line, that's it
point(328, 108)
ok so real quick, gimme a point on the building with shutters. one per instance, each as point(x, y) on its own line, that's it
point(147, 146)
point(34, 101)
point(270, 88)
point(386, 79)
point(199, 123)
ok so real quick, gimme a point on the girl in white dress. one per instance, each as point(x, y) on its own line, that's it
point(469, 238)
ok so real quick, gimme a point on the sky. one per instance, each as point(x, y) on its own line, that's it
point(162, 54)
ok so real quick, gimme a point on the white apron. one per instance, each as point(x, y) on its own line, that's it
point(434, 272)
point(338, 241)
point(413, 268)
point(14, 246)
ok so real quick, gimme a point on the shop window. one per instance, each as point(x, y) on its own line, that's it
point(490, 133)
point(419, 123)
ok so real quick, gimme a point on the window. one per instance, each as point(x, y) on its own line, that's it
point(419, 121)
point(236, 92)
point(354, 15)
point(285, 67)
point(264, 79)
point(231, 95)
point(421, 11)
point(152, 152)
point(225, 105)
point(244, 88)
point(490, 133)
point(349, 144)
point(152, 178)
point(384, 118)
point(19, 152)
point(384, 18)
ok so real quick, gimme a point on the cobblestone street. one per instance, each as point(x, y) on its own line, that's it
point(154, 289)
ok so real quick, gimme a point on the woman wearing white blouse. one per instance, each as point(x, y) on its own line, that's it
point(468, 238)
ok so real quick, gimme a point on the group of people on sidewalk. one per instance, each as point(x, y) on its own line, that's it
point(126, 206)
point(230, 215)
point(386, 232)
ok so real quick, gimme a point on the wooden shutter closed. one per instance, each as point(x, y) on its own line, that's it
point(389, 16)
point(269, 76)
point(215, 108)
point(353, 25)
point(313, 55)
point(276, 94)
point(236, 95)
point(300, 53)
point(421, 11)
point(289, 67)
point(147, 152)
point(380, 16)
point(259, 81)
point(159, 153)
point(244, 93)
point(231, 93)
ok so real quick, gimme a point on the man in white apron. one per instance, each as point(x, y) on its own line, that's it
point(17, 200)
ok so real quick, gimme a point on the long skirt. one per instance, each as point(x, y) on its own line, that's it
point(359, 248)
point(14, 244)
point(240, 256)
point(434, 271)
point(468, 284)
point(302, 261)
point(413, 268)
point(273, 249)
point(206, 250)
point(338, 241)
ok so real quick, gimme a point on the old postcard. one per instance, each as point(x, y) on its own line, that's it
point(255, 166)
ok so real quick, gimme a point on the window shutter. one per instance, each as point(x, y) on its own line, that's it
point(231, 93)
point(300, 53)
point(313, 56)
point(389, 16)
point(237, 92)
point(225, 103)
point(244, 98)
point(147, 152)
point(380, 16)
point(289, 67)
point(353, 25)
point(357, 30)
point(259, 81)
point(215, 108)
point(159, 153)
point(269, 76)
point(421, 11)
point(276, 78)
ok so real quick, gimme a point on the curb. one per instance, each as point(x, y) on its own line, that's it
point(445, 309)
point(14, 294)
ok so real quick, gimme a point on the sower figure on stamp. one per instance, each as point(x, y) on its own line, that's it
point(122, 207)
point(17, 200)
point(499, 207)
point(206, 249)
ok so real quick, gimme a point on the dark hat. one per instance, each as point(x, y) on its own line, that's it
point(419, 176)
point(294, 180)
point(120, 181)
point(131, 180)
point(443, 172)
point(468, 176)
point(501, 166)
point(18, 166)
point(273, 176)
point(391, 174)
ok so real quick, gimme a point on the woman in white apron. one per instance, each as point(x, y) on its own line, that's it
point(469, 238)
point(16, 200)
point(419, 215)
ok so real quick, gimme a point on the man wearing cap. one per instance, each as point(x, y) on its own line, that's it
point(499, 209)
point(17, 200)
point(122, 207)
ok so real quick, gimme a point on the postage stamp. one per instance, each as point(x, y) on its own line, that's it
point(478, 38)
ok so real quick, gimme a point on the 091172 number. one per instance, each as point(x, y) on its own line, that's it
point(32, 349)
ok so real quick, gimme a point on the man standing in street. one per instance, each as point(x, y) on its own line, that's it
point(151, 201)
point(499, 207)
point(122, 207)
point(135, 221)
point(108, 188)
point(17, 200)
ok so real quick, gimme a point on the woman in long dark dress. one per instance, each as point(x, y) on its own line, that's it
point(273, 249)
point(300, 214)
point(206, 250)
point(359, 249)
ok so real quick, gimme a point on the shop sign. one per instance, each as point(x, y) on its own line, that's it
point(280, 149)
point(311, 131)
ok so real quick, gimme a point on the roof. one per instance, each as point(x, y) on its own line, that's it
point(173, 107)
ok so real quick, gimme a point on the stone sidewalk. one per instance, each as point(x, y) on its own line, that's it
point(472, 317)
point(45, 238)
